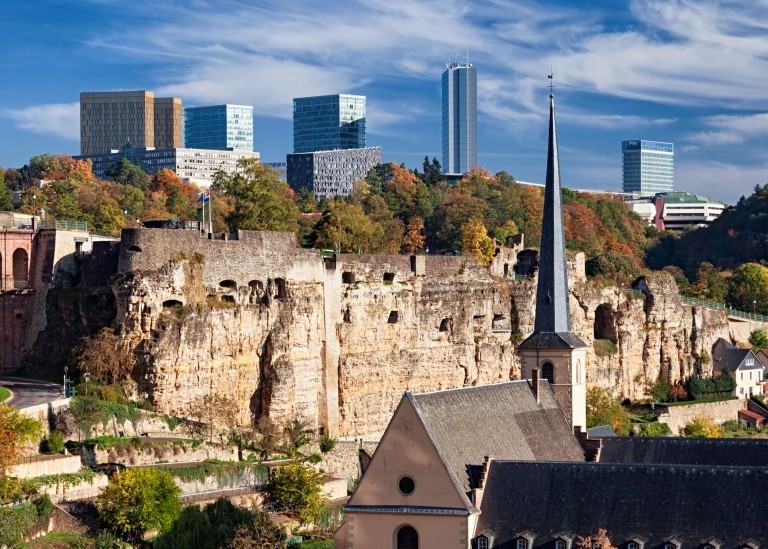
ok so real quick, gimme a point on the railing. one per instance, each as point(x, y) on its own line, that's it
point(64, 225)
point(709, 304)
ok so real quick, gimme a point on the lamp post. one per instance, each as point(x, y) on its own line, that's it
point(66, 389)
point(754, 306)
point(86, 377)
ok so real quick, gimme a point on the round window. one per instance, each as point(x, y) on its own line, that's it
point(406, 485)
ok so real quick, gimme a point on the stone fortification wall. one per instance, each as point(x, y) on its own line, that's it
point(336, 342)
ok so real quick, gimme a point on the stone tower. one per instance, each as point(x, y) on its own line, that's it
point(559, 354)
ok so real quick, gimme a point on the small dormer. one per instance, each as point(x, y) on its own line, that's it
point(636, 543)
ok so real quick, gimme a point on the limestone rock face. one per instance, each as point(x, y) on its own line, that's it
point(336, 341)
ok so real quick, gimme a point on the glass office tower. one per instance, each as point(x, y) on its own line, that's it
point(219, 127)
point(328, 122)
point(648, 167)
point(459, 117)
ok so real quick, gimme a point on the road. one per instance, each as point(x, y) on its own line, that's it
point(30, 392)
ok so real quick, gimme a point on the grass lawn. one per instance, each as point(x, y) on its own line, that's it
point(57, 540)
point(4, 394)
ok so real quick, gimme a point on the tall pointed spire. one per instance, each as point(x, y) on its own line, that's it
point(553, 320)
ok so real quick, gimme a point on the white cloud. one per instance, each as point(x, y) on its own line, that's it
point(719, 180)
point(731, 129)
point(61, 119)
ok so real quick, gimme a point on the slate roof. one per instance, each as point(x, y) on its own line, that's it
point(681, 451)
point(655, 504)
point(724, 353)
point(552, 340)
point(502, 420)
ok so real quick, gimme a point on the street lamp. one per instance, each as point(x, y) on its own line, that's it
point(86, 377)
point(754, 305)
point(66, 389)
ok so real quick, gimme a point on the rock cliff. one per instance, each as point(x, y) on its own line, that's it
point(337, 341)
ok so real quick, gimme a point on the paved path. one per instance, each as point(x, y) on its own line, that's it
point(30, 392)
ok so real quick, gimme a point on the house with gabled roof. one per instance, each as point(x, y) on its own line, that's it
point(743, 366)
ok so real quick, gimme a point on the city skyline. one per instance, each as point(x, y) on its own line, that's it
point(681, 72)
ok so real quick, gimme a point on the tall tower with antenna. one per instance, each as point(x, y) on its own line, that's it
point(459, 116)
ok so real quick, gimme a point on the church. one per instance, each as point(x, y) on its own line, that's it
point(510, 465)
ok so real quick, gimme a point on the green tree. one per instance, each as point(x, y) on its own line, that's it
point(299, 487)
point(6, 196)
point(16, 430)
point(139, 500)
point(758, 339)
point(660, 390)
point(605, 409)
point(346, 227)
point(748, 288)
point(296, 434)
point(262, 202)
point(217, 525)
point(127, 173)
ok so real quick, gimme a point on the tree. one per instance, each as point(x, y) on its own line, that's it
point(596, 541)
point(105, 356)
point(605, 409)
point(702, 427)
point(748, 288)
point(413, 241)
point(758, 339)
point(219, 525)
point(346, 228)
point(296, 434)
point(127, 173)
point(262, 202)
point(475, 240)
point(139, 500)
point(16, 430)
point(299, 487)
point(660, 391)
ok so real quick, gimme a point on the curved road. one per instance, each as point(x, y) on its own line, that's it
point(30, 392)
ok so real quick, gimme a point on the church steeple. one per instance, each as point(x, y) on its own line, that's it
point(558, 355)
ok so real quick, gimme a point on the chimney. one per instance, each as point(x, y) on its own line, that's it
point(535, 383)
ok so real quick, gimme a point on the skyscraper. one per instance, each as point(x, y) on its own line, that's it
point(459, 117)
point(109, 120)
point(648, 166)
point(220, 127)
point(328, 122)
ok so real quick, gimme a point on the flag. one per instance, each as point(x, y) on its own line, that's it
point(204, 197)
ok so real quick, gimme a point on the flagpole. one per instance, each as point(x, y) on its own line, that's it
point(210, 211)
point(203, 197)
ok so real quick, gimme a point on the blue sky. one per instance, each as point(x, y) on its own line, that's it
point(693, 72)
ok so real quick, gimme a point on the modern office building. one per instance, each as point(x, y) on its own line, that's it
point(648, 167)
point(331, 173)
point(193, 165)
point(459, 117)
point(109, 120)
point(677, 210)
point(220, 127)
point(328, 122)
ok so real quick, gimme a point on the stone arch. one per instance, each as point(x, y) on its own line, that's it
point(134, 248)
point(605, 323)
point(407, 538)
point(20, 269)
point(256, 285)
point(229, 284)
point(169, 305)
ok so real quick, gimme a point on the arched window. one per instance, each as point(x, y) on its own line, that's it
point(560, 544)
point(482, 543)
point(522, 543)
point(20, 269)
point(578, 371)
point(548, 372)
point(633, 545)
point(407, 538)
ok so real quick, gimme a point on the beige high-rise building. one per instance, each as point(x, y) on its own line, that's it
point(109, 120)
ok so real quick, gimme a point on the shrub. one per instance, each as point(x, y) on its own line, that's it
point(702, 427)
point(327, 443)
point(54, 443)
point(653, 429)
point(605, 347)
point(138, 500)
point(298, 487)
point(604, 409)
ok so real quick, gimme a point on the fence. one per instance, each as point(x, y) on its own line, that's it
point(64, 225)
point(709, 304)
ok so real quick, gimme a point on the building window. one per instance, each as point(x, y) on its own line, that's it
point(407, 538)
point(548, 372)
point(633, 545)
point(522, 544)
point(670, 546)
point(406, 485)
point(482, 543)
point(560, 544)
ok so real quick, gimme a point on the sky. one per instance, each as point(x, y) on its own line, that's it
point(691, 72)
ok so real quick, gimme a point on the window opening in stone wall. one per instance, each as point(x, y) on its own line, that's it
point(229, 284)
point(548, 372)
point(257, 285)
point(280, 292)
point(134, 249)
point(605, 323)
point(500, 323)
point(407, 538)
point(348, 277)
point(393, 317)
point(171, 304)
point(20, 269)
point(228, 298)
point(389, 278)
point(446, 324)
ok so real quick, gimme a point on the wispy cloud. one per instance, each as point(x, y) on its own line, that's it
point(61, 119)
point(731, 129)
